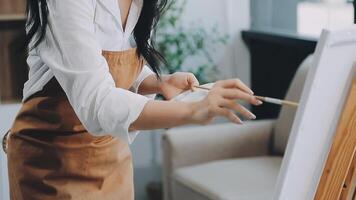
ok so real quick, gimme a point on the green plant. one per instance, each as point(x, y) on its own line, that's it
point(179, 43)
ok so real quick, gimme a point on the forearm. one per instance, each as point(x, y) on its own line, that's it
point(151, 85)
point(164, 114)
point(220, 101)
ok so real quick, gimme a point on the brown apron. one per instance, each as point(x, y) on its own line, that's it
point(51, 155)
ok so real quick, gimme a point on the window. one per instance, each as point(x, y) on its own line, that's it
point(305, 17)
point(312, 17)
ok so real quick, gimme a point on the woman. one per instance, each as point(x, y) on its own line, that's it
point(83, 103)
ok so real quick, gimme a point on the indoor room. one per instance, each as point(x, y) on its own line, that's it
point(178, 99)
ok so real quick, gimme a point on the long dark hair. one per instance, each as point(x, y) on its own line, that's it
point(37, 15)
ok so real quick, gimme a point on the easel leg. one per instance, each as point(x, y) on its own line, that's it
point(338, 179)
point(349, 190)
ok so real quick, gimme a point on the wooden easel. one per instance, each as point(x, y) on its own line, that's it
point(338, 181)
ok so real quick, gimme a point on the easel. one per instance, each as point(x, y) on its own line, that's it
point(338, 181)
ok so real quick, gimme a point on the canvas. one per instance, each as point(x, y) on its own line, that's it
point(317, 117)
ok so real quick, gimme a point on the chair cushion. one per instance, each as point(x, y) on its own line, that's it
point(251, 178)
point(286, 116)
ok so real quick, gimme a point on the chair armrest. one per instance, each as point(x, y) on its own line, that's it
point(193, 145)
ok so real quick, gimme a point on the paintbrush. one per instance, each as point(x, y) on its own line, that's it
point(265, 99)
point(277, 101)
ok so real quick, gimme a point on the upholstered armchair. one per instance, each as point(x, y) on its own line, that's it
point(228, 161)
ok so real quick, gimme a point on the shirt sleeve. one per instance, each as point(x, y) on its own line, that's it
point(73, 54)
point(146, 71)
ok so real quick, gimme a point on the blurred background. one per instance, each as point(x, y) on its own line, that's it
point(262, 42)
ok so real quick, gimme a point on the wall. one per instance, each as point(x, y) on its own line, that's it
point(230, 16)
point(266, 14)
point(7, 115)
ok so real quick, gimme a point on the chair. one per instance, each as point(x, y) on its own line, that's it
point(228, 161)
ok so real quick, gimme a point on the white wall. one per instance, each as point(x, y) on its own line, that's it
point(267, 14)
point(7, 115)
point(236, 59)
point(231, 17)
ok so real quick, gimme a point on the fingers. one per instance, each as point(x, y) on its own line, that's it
point(230, 104)
point(228, 114)
point(226, 109)
point(236, 89)
point(235, 83)
point(221, 100)
point(192, 81)
point(238, 94)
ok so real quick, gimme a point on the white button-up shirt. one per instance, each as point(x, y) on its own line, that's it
point(78, 31)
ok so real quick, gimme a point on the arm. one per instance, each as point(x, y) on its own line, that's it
point(220, 101)
point(146, 83)
point(164, 114)
point(151, 85)
point(168, 85)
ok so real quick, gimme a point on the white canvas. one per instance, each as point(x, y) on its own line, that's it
point(317, 117)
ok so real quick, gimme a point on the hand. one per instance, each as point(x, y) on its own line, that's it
point(221, 101)
point(176, 83)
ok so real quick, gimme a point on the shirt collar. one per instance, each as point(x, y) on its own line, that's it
point(112, 6)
